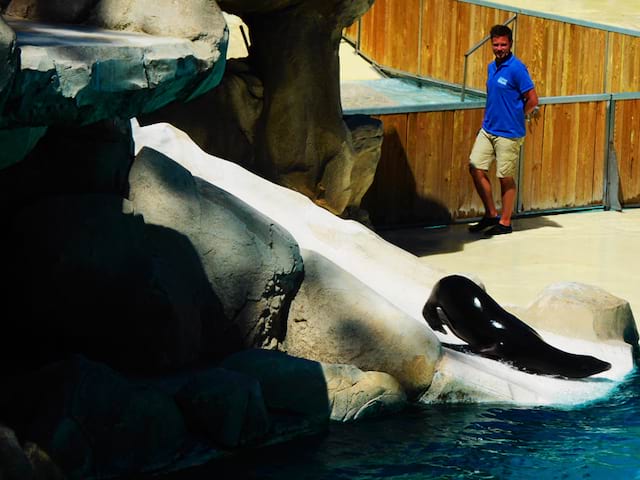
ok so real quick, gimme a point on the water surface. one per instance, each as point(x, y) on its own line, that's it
point(596, 441)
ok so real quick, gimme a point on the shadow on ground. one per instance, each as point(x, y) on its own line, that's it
point(424, 241)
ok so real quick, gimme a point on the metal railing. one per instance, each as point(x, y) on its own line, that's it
point(470, 51)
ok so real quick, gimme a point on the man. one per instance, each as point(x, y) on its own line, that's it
point(511, 97)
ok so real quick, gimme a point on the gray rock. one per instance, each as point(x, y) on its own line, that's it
point(366, 136)
point(92, 159)
point(95, 424)
point(18, 142)
point(291, 384)
point(14, 463)
point(342, 320)
point(82, 74)
point(318, 390)
point(164, 193)
point(8, 60)
point(230, 133)
point(226, 406)
point(252, 264)
point(142, 286)
point(43, 465)
point(356, 395)
point(292, 131)
point(581, 311)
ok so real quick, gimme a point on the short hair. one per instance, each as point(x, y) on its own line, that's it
point(501, 31)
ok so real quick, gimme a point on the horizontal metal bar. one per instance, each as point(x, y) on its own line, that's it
point(625, 96)
point(559, 18)
point(596, 97)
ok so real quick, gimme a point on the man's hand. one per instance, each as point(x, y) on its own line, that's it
point(533, 115)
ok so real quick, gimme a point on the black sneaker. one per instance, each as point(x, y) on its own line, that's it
point(498, 229)
point(486, 222)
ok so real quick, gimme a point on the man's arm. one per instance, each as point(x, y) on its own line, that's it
point(530, 101)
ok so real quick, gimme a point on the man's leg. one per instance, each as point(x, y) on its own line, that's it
point(507, 153)
point(483, 187)
point(508, 190)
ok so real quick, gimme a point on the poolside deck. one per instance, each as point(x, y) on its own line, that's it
point(597, 247)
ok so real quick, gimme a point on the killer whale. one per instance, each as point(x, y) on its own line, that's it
point(490, 331)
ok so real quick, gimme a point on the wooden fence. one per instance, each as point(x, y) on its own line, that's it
point(429, 38)
point(423, 174)
point(589, 79)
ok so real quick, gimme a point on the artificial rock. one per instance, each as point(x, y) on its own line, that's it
point(317, 390)
point(336, 318)
point(581, 311)
point(293, 133)
point(226, 406)
point(251, 263)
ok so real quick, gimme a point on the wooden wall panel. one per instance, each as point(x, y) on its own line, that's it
point(449, 29)
point(390, 34)
point(372, 24)
point(627, 146)
point(564, 154)
point(623, 65)
point(388, 199)
point(351, 32)
point(423, 175)
point(562, 58)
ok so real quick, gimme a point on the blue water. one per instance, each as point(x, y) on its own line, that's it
point(597, 441)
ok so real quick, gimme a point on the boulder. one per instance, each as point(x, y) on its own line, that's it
point(143, 288)
point(251, 263)
point(336, 318)
point(291, 130)
point(14, 463)
point(356, 395)
point(225, 406)
point(317, 390)
point(8, 60)
point(94, 423)
point(580, 311)
point(367, 134)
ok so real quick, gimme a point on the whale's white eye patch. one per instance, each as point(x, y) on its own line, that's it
point(497, 324)
point(477, 303)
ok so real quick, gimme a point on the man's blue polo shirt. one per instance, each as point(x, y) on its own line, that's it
point(504, 110)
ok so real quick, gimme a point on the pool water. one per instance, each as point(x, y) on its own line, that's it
point(596, 441)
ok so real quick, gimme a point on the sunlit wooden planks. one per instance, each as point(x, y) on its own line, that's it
point(564, 154)
point(449, 29)
point(351, 32)
point(562, 58)
point(390, 34)
point(627, 146)
point(423, 175)
point(623, 63)
point(423, 172)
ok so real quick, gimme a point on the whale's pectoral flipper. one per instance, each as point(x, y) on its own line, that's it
point(432, 316)
point(490, 351)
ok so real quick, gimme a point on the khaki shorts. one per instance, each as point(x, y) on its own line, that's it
point(505, 151)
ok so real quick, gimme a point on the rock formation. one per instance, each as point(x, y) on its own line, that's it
point(282, 114)
point(170, 307)
point(127, 278)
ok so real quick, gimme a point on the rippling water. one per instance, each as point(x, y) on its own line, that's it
point(596, 441)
